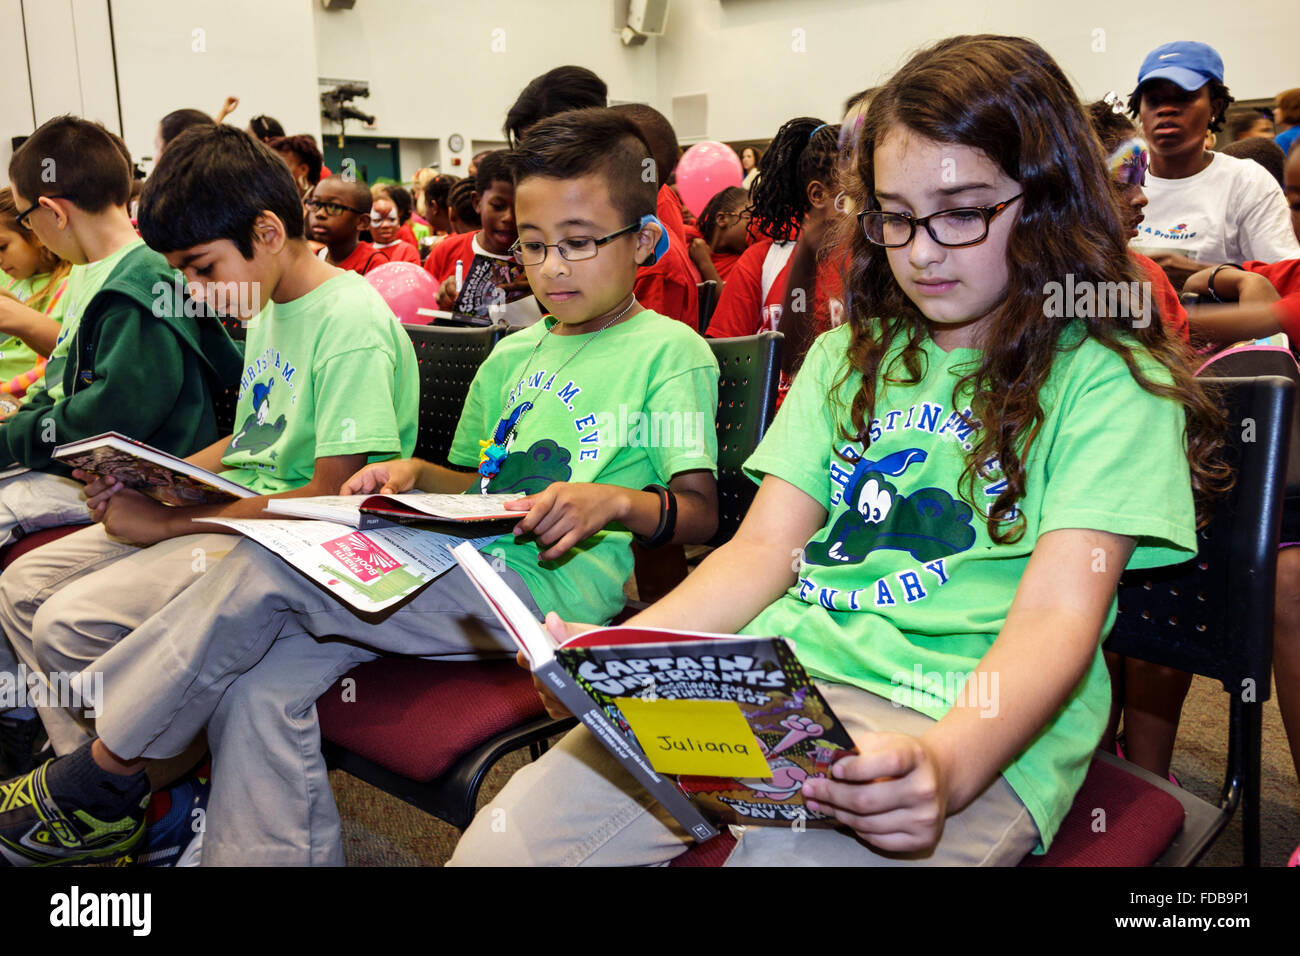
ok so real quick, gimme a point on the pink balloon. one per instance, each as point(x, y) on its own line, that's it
point(704, 171)
point(406, 288)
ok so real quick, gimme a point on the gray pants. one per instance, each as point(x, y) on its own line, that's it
point(244, 649)
point(577, 806)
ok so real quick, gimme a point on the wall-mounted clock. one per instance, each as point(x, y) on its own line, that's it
point(456, 142)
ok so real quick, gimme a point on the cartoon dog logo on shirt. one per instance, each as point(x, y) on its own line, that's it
point(927, 524)
point(256, 433)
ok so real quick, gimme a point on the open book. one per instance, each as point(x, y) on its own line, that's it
point(372, 511)
point(482, 298)
point(719, 728)
point(169, 479)
point(369, 570)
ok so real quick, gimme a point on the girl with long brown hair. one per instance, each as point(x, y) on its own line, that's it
point(961, 472)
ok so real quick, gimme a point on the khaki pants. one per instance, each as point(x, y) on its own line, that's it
point(577, 806)
point(60, 617)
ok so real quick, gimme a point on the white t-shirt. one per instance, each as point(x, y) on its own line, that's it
point(1231, 211)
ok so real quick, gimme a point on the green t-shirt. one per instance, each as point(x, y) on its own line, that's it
point(634, 407)
point(83, 282)
point(16, 356)
point(903, 592)
point(329, 373)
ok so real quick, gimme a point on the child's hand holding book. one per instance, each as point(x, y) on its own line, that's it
point(560, 630)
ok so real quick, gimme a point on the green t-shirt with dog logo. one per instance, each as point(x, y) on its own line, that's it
point(633, 405)
point(903, 591)
point(329, 373)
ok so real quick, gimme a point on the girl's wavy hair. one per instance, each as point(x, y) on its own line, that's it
point(1006, 97)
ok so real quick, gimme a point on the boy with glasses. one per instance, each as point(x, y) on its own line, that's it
point(337, 212)
point(248, 647)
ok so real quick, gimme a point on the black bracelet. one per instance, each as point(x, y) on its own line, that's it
point(667, 518)
point(1222, 265)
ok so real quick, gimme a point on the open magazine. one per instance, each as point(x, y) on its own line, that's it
point(719, 728)
point(371, 511)
point(169, 479)
point(369, 570)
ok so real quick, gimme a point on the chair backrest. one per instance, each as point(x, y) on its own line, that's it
point(224, 402)
point(749, 368)
point(1249, 361)
point(1213, 615)
point(708, 292)
point(449, 358)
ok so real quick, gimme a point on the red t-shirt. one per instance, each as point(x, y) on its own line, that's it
point(401, 251)
point(669, 210)
point(362, 259)
point(1171, 309)
point(1285, 276)
point(744, 308)
point(407, 234)
point(442, 259)
point(668, 287)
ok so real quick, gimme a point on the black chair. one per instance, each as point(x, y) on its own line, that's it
point(750, 370)
point(432, 730)
point(224, 403)
point(708, 292)
point(449, 357)
point(1213, 615)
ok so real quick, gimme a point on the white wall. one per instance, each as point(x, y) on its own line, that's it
point(16, 99)
point(437, 67)
point(764, 61)
point(194, 53)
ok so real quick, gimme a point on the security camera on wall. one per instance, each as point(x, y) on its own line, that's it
point(645, 18)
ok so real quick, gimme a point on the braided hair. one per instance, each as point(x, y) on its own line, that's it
point(461, 198)
point(804, 150)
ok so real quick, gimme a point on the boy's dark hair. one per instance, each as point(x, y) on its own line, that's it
point(400, 196)
point(1217, 92)
point(438, 190)
point(305, 148)
point(461, 198)
point(725, 200)
point(1111, 128)
point(1288, 101)
point(178, 121)
point(1263, 151)
point(601, 141)
point(265, 127)
point(803, 150)
point(73, 158)
point(659, 133)
point(494, 167)
point(212, 183)
point(1239, 120)
point(555, 91)
point(355, 193)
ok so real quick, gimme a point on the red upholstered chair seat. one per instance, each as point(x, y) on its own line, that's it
point(1140, 822)
point(12, 552)
point(417, 717)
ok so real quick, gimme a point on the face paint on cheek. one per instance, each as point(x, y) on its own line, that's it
point(1128, 163)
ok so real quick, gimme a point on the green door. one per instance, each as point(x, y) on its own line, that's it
point(373, 159)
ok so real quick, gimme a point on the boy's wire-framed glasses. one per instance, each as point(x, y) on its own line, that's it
point(572, 249)
point(21, 218)
point(964, 226)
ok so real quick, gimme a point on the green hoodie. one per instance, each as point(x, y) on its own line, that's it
point(150, 377)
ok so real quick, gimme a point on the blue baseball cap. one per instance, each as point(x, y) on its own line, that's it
point(1189, 64)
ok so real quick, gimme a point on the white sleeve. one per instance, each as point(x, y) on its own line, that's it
point(1264, 218)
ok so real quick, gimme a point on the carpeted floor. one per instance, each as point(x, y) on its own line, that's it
point(379, 830)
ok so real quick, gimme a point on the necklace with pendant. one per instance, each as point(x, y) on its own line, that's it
point(494, 451)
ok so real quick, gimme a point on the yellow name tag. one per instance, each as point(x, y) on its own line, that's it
point(705, 737)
